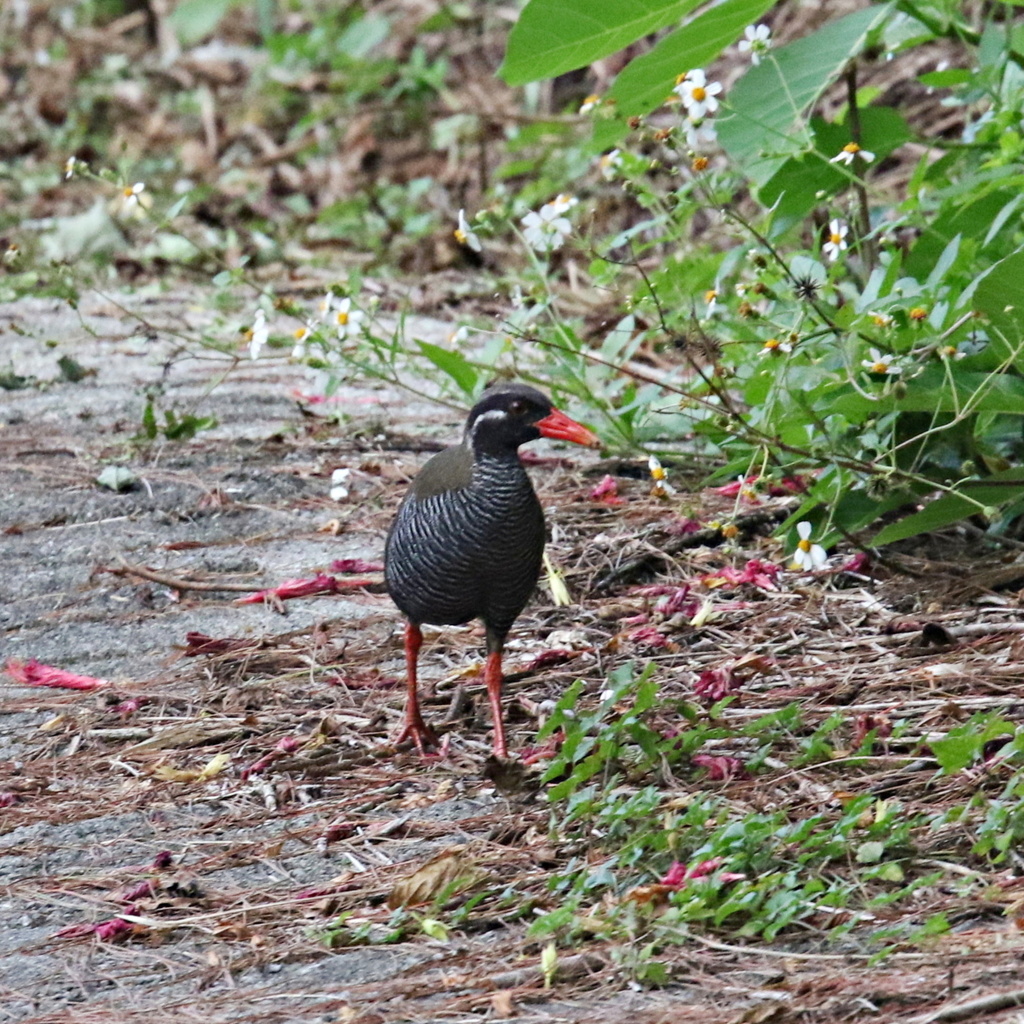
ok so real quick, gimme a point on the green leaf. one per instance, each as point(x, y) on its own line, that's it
point(452, 363)
point(971, 215)
point(194, 20)
point(116, 478)
point(870, 852)
point(999, 295)
point(648, 80)
point(933, 391)
point(966, 743)
point(952, 508)
point(946, 79)
point(552, 36)
point(767, 104)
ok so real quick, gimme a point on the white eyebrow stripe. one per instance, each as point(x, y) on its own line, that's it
point(491, 414)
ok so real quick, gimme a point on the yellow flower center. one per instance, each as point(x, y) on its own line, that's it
point(699, 93)
point(835, 238)
point(300, 333)
point(128, 192)
point(881, 321)
point(880, 367)
point(949, 350)
point(460, 236)
point(918, 313)
point(851, 147)
point(710, 296)
point(699, 164)
point(342, 318)
point(681, 78)
point(591, 99)
point(804, 545)
point(771, 344)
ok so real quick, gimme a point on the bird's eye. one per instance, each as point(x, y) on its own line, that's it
point(517, 408)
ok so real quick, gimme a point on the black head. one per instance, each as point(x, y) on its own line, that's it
point(509, 415)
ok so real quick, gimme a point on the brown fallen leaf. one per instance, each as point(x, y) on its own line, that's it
point(449, 872)
point(501, 1004)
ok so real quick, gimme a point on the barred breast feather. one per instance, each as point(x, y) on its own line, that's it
point(473, 550)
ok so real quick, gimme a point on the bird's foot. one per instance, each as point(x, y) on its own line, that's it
point(420, 733)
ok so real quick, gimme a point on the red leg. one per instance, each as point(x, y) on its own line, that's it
point(492, 677)
point(415, 728)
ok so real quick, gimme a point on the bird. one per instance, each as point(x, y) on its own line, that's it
point(467, 541)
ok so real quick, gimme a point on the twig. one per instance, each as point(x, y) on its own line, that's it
point(983, 1004)
point(175, 583)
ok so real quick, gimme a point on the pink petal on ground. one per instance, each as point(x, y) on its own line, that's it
point(33, 673)
point(346, 565)
point(716, 683)
point(649, 636)
point(319, 584)
point(607, 491)
point(720, 767)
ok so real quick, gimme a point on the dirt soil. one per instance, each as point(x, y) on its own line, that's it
point(182, 842)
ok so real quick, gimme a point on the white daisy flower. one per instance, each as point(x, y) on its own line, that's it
point(698, 94)
point(836, 243)
point(547, 229)
point(131, 195)
point(773, 346)
point(757, 41)
point(808, 556)
point(258, 334)
point(880, 362)
point(348, 320)
point(850, 152)
point(465, 235)
point(300, 349)
point(590, 103)
point(699, 133)
point(609, 164)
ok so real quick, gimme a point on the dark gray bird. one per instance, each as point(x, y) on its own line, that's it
point(468, 540)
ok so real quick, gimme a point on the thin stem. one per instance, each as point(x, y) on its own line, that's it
point(868, 248)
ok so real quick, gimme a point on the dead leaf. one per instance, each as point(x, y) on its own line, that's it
point(451, 871)
point(501, 1004)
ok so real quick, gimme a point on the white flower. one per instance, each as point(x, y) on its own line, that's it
point(880, 363)
point(711, 298)
point(12, 252)
point(258, 334)
point(131, 195)
point(849, 152)
point(70, 165)
point(325, 305)
point(590, 103)
point(698, 94)
point(699, 133)
point(548, 229)
point(340, 480)
point(465, 235)
point(609, 164)
point(880, 319)
point(459, 336)
point(836, 239)
point(773, 346)
point(301, 336)
point(348, 320)
point(562, 203)
point(757, 40)
point(662, 488)
point(808, 556)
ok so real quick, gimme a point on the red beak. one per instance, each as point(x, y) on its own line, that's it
point(556, 424)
